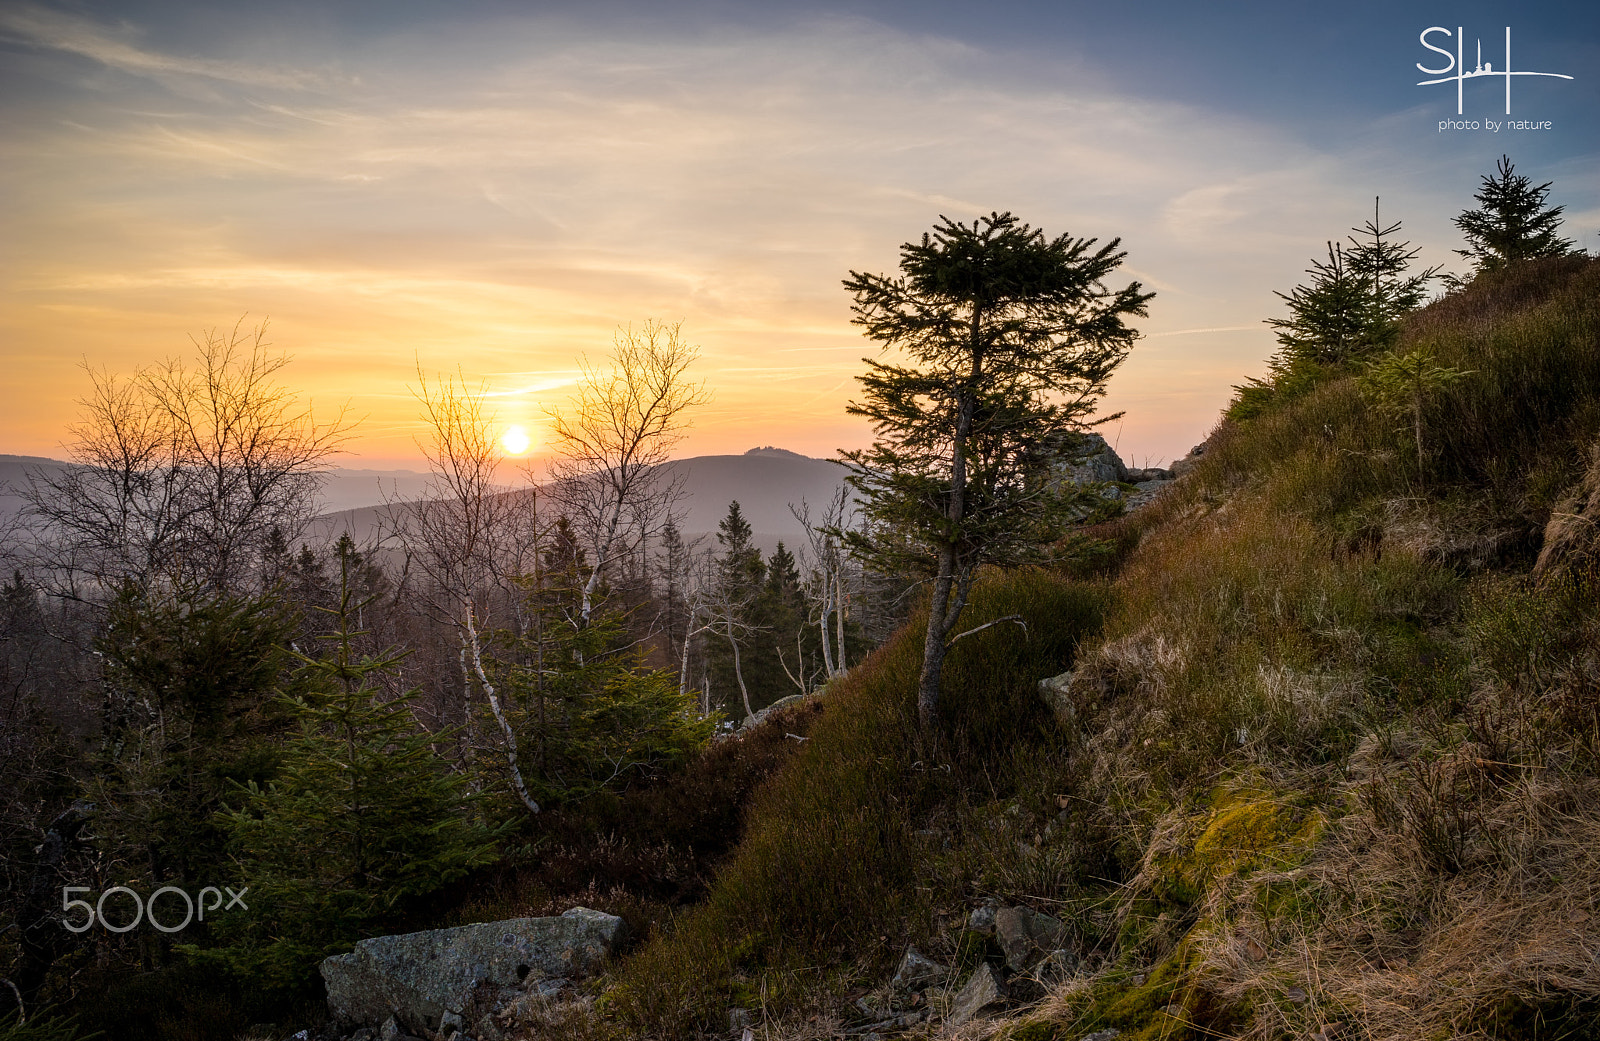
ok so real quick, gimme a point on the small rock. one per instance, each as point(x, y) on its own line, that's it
point(983, 991)
point(739, 1019)
point(916, 972)
point(1057, 694)
point(981, 920)
point(1025, 935)
point(390, 1031)
point(364, 1034)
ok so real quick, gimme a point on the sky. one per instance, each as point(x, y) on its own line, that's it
point(495, 189)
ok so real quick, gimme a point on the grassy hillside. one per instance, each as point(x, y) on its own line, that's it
point(1329, 766)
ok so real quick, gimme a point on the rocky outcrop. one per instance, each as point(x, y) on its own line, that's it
point(1096, 461)
point(761, 716)
point(458, 978)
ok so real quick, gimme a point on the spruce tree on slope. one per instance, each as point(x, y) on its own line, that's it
point(1513, 223)
point(1007, 339)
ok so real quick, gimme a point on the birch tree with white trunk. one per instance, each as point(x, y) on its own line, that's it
point(622, 425)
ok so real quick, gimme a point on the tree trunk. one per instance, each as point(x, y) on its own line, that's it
point(517, 783)
point(1416, 424)
point(738, 674)
point(933, 649)
point(838, 606)
point(941, 616)
point(602, 556)
point(822, 627)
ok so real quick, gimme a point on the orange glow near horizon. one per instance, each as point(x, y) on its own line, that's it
point(497, 202)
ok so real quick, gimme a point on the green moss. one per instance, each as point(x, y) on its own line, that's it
point(1137, 1005)
point(1168, 1003)
point(1144, 923)
point(1035, 1030)
point(1244, 831)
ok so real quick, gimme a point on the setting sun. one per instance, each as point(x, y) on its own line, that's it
point(515, 441)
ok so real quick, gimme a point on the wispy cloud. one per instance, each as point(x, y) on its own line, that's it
point(501, 196)
point(115, 48)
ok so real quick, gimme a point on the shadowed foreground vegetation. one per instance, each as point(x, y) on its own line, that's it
point(1330, 763)
point(1327, 764)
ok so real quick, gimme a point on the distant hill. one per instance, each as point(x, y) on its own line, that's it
point(763, 480)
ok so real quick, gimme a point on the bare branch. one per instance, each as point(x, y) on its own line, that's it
point(612, 443)
point(1008, 618)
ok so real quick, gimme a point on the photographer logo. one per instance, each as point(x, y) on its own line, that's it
point(1455, 69)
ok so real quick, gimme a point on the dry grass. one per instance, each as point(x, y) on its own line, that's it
point(1332, 768)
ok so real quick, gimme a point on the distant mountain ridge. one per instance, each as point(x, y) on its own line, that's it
point(764, 480)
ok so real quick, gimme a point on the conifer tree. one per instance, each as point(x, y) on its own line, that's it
point(361, 816)
point(736, 586)
point(1401, 384)
point(1512, 222)
point(1350, 307)
point(1329, 317)
point(1381, 263)
point(672, 568)
point(1009, 339)
point(188, 709)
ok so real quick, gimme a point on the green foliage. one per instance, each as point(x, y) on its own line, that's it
point(1012, 337)
point(1286, 382)
point(591, 716)
point(187, 714)
point(1400, 383)
point(1350, 306)
point(832, 863)
point(1330, 318)
point(43, 1026)
point(739, 655)
point(361, 816)
point(1512, 224)
point(1000, 321)
point(761, 606)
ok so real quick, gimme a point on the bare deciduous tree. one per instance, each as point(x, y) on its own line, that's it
point(826, 584)
point(621, 428)
point(726, 609)
point(182, 472)
point(471, 536)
